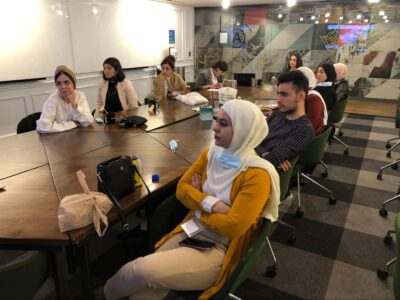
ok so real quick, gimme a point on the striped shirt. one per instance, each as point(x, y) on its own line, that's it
point(286, 138)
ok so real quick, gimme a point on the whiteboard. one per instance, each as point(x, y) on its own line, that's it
point(83, 33)
point(35, 38)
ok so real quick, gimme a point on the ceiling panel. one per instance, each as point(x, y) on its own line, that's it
point(203, 3)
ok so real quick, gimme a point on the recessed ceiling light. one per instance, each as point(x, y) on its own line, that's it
point(301, 19)
point(316, 22)
point(341, 18)
point(279, 16)
point(359, 17)
point(226, 4)
point(386, 21)
point(384, 17)
point(326, 20)
point(366, 21)
point(327, 15)
point(291, 3)
point(350, 22)
point(381, 13)
point(312, 17)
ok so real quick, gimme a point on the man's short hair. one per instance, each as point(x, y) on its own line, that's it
point(297, 78)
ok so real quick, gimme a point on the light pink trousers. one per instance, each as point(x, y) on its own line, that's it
point(171, 267)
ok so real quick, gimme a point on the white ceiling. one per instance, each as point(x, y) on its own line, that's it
point(202, 3)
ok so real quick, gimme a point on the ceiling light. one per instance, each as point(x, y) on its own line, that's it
point(350, 22)
point(279, 16)
point(373, 1)
point(327, 15)
point(386, 21)
point(60, 13)
point(359, 16)
point(326, 20)
point(312, 17)
point(237, 24)
point(381, 13)
point(301, 19)
point(95, 11)
point(226, 4)
point(341, 18)
point(316, 22)
point(384, 17)
point(291, 3)
point(365, 20)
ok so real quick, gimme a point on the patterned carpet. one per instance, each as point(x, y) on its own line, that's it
point(338, 248)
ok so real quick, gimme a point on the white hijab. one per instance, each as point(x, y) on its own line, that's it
point(312, 83)
point(249, 130)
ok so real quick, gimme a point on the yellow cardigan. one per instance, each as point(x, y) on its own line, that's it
point(249, 193)
point(175, 84)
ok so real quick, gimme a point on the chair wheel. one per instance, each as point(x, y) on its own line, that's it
point(332, 200)
point(330, 142)
point(270, 271)
point(382, 274)
point(346, 152)
point(383, 212)
point(292, 239)
point(340, 133)
point(324, 174)
point(388, 240)
point(299, 213)
point(388, 146)
point(379, 176)
point(395, 167)
point(389, 154)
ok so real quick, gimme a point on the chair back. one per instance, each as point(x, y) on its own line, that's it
point(167, 215)
point(335, 115)
point(28, 123)
point(314, 152)
point(248, 262)
point(284, 177)
point(396, 274)
point(22, 277)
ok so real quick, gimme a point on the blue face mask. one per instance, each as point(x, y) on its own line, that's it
point(227, 160)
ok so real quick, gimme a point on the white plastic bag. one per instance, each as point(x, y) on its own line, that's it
point(80, 210)
point(192, 98)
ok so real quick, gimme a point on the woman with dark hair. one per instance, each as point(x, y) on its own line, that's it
point(212, 78)
point(168, 84)
point(293, 62)
point(114, 92)
point(67, 108)
point(326, 76)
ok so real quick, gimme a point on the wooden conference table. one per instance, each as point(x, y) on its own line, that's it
point(38, 170)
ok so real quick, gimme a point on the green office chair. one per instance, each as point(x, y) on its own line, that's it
point(383, 274)
point(245, 266)
point(335, 116)
point(22, 277)
point(284, 180)
point(313, 154)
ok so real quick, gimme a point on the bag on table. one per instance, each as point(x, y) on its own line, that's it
point(80, 210)
point(116, 179)
point(192, 98)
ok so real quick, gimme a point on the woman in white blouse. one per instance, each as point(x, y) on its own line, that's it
point(67, 108)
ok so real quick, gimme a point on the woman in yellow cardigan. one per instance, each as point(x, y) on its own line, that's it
point(228, 190)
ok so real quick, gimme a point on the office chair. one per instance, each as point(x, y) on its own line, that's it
point(390, 147)
point(383, 211)
point(313, 154)
point(383, 274)
point(335, 116)
point(394, 165)
point(22, 277)
point(165, 217)
point(284, 180)
point(28, 123)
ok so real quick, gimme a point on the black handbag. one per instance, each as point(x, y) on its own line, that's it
point(116, 179)
point(118, 175)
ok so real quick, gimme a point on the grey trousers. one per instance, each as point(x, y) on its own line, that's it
point(171, 267)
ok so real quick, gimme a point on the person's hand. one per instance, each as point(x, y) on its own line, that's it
point(221, 208)
point(285, 165)
point(72, 99)
point(196, 182)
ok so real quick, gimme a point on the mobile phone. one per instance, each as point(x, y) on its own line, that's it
point(197, 244)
